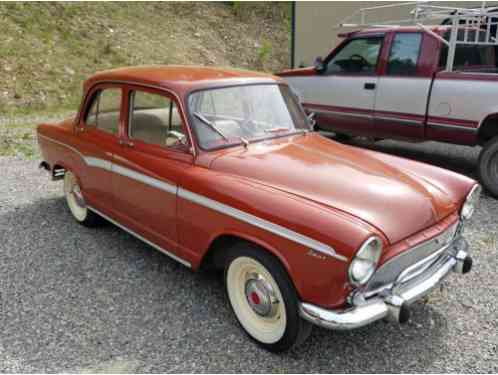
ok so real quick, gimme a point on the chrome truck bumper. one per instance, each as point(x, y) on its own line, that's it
point(392, 303)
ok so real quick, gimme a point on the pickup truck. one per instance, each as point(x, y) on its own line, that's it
point(391, 83)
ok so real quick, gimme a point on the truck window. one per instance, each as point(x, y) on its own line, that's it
point(404, 53)
point(359, 56)
point(471, 57)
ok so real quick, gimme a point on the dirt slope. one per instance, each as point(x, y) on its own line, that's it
point(47, 49)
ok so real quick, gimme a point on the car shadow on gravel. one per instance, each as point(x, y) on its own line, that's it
point(74, 296)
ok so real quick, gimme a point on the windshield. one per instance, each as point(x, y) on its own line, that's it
point(241, 114)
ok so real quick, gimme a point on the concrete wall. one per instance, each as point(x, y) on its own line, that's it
point(315, 31)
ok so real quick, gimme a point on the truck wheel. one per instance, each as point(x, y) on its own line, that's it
point(76, 202)
point(264, 299)
point(488, 166)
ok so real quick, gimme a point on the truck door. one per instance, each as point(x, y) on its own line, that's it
point(403, 88)
point(343, 94)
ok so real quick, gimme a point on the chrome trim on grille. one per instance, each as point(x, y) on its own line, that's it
point(404, 264)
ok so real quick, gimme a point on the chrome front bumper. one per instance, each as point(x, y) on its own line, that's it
point(393, 303)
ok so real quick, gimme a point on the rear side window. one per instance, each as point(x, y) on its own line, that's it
point(155, 119)
point(105, 110)
point(404, 54)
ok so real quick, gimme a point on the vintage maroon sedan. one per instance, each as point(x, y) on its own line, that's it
point(218, 167)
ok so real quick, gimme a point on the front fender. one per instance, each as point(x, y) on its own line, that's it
point(319, 277)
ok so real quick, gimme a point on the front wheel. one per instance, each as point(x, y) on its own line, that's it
point(264, 299)
point(488, 166)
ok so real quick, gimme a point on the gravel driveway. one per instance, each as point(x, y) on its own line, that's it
point(91, 300)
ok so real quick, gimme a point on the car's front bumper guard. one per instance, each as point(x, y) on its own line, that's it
point(394, 304)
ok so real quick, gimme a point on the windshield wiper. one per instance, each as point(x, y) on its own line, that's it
point(276, 130)
point(213, 126)
point(210, 124)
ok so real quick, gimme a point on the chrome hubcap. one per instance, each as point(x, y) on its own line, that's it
point(78, 197)
point(261, 296)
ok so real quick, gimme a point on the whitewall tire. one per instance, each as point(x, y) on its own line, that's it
point(76, 202)
point(263, 298)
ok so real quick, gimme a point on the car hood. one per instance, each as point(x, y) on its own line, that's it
point(397, 202)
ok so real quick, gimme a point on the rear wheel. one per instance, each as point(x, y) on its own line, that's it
point(76, 202)
point(264, 299)
point(488, 166)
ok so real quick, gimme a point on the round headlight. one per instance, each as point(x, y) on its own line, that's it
point(471, 202)
point(365, 261)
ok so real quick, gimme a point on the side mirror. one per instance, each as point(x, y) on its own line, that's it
point(311, 120)
point(175, 135)
point(318, 64)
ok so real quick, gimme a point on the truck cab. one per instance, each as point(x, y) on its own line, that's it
point(393, 83)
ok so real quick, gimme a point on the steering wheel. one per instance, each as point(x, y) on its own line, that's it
point(359, 59)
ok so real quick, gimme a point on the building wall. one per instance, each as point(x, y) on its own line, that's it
point(315, 32)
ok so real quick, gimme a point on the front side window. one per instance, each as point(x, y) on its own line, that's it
point(359, 56)
point(155, 119)
point(105, 110)
point(404, 54)
point(234, 115)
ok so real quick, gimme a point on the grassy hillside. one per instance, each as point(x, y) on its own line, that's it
point(48, 49)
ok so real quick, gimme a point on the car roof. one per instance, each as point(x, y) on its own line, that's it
point(181, 79)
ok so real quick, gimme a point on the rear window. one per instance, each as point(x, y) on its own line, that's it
point(471, 57)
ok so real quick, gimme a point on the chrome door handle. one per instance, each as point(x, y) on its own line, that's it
point(126, 143)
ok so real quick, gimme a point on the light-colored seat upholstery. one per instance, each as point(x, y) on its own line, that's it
point(108, 122)
point(151, 126)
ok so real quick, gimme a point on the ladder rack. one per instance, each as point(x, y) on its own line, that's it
point(468, 26)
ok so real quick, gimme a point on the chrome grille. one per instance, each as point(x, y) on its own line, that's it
point(388, 272)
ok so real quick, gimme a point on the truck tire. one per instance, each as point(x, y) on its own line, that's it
point(488, 166)
point(263, 298)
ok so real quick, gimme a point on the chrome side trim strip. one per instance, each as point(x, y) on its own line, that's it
point(147, 180)
point(113, 167)
point(346, 114)
point(157, 247)
point(207, 202)
point(449, 126)
point(61, 144)
point(98, 163)
point(260, 223)
point(398, 120)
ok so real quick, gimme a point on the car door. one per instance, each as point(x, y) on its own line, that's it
point(342, 95)
point(98, 139)
point(155, 151)
point(403, 88)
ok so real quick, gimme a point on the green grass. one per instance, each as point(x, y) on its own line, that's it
point(47, 50)
point(18, 131)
